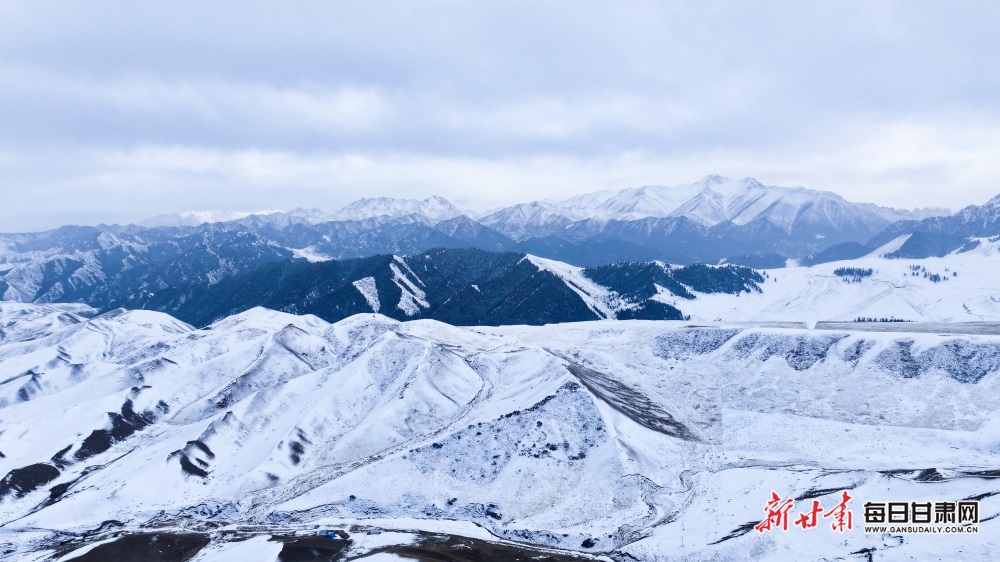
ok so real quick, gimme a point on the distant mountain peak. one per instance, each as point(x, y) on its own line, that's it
point(714, 179)
point(712, 201)
point(195, 218)
point(720, 184)
point(435, 208)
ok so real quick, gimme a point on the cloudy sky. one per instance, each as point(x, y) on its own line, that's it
point(116, 111)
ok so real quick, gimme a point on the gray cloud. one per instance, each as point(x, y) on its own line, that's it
point(115, 111)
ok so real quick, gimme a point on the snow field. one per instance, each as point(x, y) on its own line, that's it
point(276, 419)
point(810, 294)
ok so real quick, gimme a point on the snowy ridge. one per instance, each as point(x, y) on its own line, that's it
point(26, 281)
point(435, 208)
point(601, 300)
point(86, 264)
point(712, 201)
point(678, 434)
point(195, 218)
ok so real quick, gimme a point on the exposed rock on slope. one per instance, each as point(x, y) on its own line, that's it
point(640, 439)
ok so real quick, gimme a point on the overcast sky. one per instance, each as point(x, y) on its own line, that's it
point(117, 111)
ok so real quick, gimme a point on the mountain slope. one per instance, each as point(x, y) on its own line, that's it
point(644, 441)
point(938, 236)
point(105, 267)
point(462, 287)
point(108, 266)
point(213, 273)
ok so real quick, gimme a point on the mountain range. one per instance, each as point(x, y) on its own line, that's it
point(220, 273)
point(464, 270)
point(705, 222)
point(710, 202)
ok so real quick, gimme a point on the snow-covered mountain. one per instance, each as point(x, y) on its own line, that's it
point(280, 395)
point(635, 440)
point(459, 286)
point(195, 218)
point(720, 199)
point(709, 202)
point(713, 200)
point(938, 236)
point(204, 276)
point(103, 265)
point(705, 222)
point(435, 209)
point(711, 220)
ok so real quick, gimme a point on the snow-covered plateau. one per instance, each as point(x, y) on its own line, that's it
point(958, 287)
point(629, 440)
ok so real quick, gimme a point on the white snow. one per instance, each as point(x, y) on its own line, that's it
point(711, 201)
point(810, 294)
point(367, 289)
point(549, 435)
point(412, 297)
point(890, 246)
point(83, 550)
point(402, 261)
point(435, 208)
point(310, 253)
point(195, 218)
point(257, 548)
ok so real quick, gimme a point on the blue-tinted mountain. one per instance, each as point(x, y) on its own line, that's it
point(938, 236)
point(709, 221)
point(406, 235)
point(458, 286)
point(838, 252)
point(769, 260)
point(212, 274)
point(106, 266)
point(714, 219)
